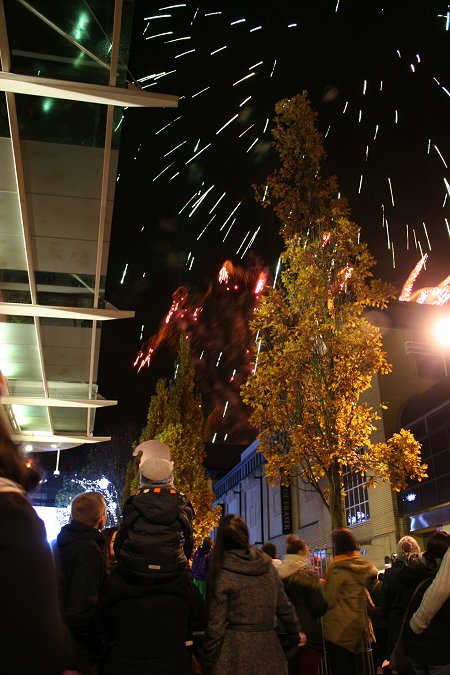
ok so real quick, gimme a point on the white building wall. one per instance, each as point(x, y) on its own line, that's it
point(310, 517)
point(274, 524)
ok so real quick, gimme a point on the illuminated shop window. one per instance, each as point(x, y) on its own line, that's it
point(356, 501)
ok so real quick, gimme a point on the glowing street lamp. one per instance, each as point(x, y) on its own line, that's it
point(442, 331)
point(442, 336)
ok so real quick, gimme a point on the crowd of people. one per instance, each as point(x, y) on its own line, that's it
point(136, 599)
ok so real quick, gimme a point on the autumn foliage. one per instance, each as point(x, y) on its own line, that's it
point(318, 351)
point(175, 418)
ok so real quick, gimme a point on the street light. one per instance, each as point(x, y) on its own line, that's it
point(442, 331)
point(442, 336)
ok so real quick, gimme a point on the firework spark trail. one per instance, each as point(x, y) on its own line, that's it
point(185, 309)
point(405, 295)
point(432, 295)
point(189, 13)
point(236, 291)
point(237, 64)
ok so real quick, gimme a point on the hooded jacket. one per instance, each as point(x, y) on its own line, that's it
point(155, 539)
point(303, 589)
point(248, 598)
point(346, 623)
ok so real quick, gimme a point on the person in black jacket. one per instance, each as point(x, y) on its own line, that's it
point(147, 622)
point(80, 559)
point(33, 636)
point(155, 540)
point(428, 651)
point(302, 587)
point(149, 605)
point(394, 596)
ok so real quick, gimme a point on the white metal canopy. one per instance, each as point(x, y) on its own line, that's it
point(57, 183)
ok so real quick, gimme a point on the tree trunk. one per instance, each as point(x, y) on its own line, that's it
point(336, 501)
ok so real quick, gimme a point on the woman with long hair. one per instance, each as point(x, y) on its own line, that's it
point(246, 597)
point(346, 623)
point(34, 639)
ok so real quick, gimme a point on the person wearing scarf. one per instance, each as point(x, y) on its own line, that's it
point(347, 628)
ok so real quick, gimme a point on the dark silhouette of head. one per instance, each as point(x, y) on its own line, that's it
point(296, 545)
point(232, 534)
point(270, 550)
point(343, 541)
point(207, 543)
point(438, 544)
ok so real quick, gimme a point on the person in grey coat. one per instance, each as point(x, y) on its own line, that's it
point(246, 596)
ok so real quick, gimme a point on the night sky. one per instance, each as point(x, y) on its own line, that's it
point(378, 75)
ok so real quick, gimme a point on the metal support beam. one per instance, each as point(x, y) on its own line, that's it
point(58, 440)
point(54, 312)
point(133, 97)
point(57, 402)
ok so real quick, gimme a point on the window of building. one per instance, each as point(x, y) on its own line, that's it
point(433, 431)
point(432, 365)
point(357, 509)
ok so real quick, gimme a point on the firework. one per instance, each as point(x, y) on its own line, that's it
point(230, 67)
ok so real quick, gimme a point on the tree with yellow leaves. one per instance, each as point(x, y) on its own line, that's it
point(156, 421)
point(175, 418)
point(318, 352)
point(183, 434)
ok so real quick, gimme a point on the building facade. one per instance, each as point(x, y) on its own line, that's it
point(417, 394)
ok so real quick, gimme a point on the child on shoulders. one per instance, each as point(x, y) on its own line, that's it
point(155, 540)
